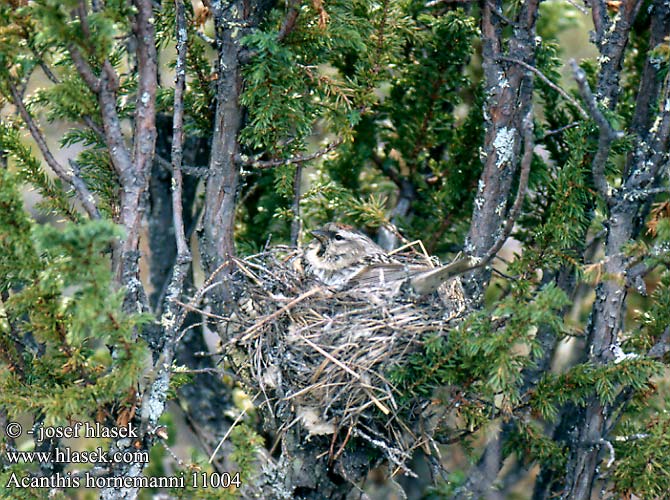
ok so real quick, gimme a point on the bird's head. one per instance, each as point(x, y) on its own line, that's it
point(338, 246)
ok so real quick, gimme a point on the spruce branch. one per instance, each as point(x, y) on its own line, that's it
point(84, 195)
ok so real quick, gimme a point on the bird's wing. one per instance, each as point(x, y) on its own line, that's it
point(383, 274)
point(421, 279)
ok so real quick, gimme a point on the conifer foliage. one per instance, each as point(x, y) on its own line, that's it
point(163, 139)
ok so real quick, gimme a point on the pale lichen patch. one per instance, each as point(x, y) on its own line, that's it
point(504, 145)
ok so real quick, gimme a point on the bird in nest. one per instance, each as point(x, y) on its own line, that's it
point(344, 258)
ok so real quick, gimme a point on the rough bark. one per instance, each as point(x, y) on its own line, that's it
point(643, 171)
point(216, 233)
point(509, 90)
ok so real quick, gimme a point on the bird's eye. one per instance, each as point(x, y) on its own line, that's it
point(338, 237)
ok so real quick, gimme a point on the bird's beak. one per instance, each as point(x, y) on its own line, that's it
point(320, 235)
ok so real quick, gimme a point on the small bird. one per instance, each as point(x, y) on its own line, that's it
point(342, 257)
point(339, 252)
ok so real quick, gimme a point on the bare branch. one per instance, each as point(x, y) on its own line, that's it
point(288, 25)
point(560, 129)
point(551, 84)
point(83, 194)
point(83, 68)
point(662, 345)
point(144, 140)
point(435, 3)
point(607, 133)
point(88, 121)
point(611, 38)
point(509, 91)
point(295, 223)
point(592, 105)
point(178, 133)
point(105, 87)
point(155, 394)
point(577, 6)
point(499, 13)
point(185, 169)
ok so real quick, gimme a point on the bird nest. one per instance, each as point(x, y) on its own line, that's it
point(322, 358)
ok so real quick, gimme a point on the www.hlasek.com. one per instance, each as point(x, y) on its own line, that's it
point(66, 455)
point(99, 456)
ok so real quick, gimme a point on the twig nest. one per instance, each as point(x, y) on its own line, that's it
point(321, 357)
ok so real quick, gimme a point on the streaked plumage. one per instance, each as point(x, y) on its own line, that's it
point(342, 257)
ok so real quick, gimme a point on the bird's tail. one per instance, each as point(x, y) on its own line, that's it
point(427, 282)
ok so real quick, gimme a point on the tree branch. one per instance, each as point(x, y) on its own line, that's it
point(551, 84)
point(515, 211)
point(144, 140)
point(288, 25)
point(263, 164)
point(611, 39)
point(429, 281)
point(183, 252)
point(606, 136)
point(296, 222)
point(88, 121)
point(84, 69)
point(509, 98)
point(83, 194)
point(185, 169)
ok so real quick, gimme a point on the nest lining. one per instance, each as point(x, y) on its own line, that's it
point(321, 357)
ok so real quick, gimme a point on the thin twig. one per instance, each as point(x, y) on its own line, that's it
point(592, 105)
point(88, 121)
point(577, 6)
point(230, 429)
point(257, 163)
point(495, 10)
point(206, 286)
point(551, 84)
point(559, 130)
